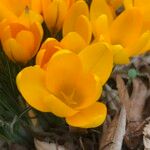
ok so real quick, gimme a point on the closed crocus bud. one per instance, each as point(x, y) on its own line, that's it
point(54, 12)
point(77, 20)
point(70, 86)
point(21, 38)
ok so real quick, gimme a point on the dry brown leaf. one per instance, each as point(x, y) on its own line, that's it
point(113, 137)
point(134, 106)
point(41, 145)
point(146, 137)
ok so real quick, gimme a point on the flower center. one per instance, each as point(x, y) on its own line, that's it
point(71, 96)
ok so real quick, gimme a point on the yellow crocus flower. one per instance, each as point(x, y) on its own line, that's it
point(124, 33)
point(70, 85)
point(77, 30)
point(21, 38)
point(54, 12)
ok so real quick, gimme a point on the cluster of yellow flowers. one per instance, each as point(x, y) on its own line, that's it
point(68, 74)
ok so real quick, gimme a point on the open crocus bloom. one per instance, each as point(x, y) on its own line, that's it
point(54, 12)
point(70, 85)
point(124, 33)
point(21, 38)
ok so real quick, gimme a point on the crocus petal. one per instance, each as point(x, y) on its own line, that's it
point(31, 84)
point(144, 6)
point(22, 37)
point(99, 7)
point(120, 54)
point(37, 30)
point(6, 12)
point(98, 59)
point(83, 27)
point(8, 51)
point(90, 117)
point(28, 17)
point(6, 33)
point(54, 13)
point(78, 8)
point(126, 28)
point(16, 6)
point(100, 27)
point(62, 9)
point(73, 41)
point(36, 6)
point(19, 54)
point(50, 13)
point(87, 85)
point(39, 56)
point(128, 4)
point(65, 74)
point(16, 27)
point(142, 44)
point(50, 46)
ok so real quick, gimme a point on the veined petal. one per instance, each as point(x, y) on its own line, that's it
point(120, 54)
point(31, 84)
point(97, 59)
point(78, 8)
point(74, 42)
point(126, 28)
point(99, 7)
point(90, 117)
point(83, 27)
